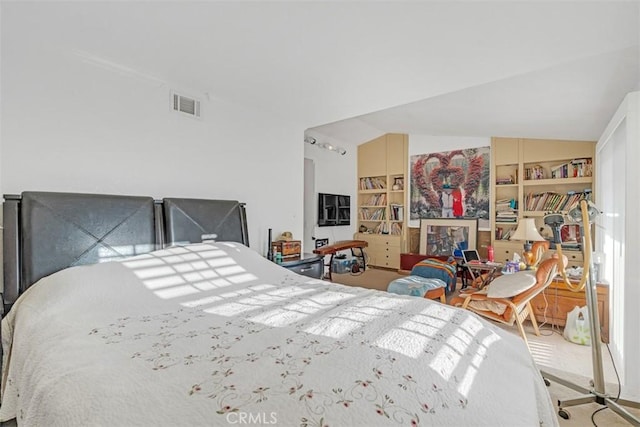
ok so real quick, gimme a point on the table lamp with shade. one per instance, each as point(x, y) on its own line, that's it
point(528, 232)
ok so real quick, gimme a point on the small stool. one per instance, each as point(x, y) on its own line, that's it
point(420, 287)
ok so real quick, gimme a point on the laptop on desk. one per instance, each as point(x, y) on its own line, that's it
point(471, 256)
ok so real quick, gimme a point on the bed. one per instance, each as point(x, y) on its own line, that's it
point(143, 324)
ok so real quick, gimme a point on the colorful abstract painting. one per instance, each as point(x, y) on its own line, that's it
point(451, 184)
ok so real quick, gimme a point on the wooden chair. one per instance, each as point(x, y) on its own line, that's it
point(518, 307)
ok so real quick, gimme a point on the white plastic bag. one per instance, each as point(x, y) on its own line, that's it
point(577, 329)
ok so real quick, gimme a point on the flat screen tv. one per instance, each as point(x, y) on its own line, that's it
point(334, 209)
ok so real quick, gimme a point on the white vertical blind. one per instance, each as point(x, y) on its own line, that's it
point(618, 236)
point(610, 228)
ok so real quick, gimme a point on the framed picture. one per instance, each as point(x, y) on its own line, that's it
point(444, 237)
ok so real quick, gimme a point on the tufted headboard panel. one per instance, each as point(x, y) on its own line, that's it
point(47, 232)
point(191, 220)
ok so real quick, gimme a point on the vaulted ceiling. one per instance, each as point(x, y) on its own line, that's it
point(352, 70)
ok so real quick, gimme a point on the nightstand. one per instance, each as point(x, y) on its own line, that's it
point(310, 265)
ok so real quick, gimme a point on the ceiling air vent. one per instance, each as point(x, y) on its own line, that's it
point(186, 105)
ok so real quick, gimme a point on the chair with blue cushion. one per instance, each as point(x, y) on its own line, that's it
point(419, 287)
point(429, 278)
point(432, 268)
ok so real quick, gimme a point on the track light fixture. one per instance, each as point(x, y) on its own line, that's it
point(327, 146)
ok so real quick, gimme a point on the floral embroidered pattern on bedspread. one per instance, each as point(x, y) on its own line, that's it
point(232, 385)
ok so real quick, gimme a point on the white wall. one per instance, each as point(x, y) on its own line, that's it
point(71, 124)
point(335, 174)
point(618, 235)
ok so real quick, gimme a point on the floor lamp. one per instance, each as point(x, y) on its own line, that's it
point(584, 214)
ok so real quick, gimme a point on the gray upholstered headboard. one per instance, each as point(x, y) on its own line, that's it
point(46, 232)
point(190, 220)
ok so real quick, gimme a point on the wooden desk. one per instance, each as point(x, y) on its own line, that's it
point(561, 300)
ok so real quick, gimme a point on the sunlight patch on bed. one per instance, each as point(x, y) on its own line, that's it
point(445, 361)
point(207, 252)
point(163, 282)
point(221, 282)
point(351, 316)
point(204, 285)
point(254, 302)
point(200, 265)
point(422, 325)
point(333, 327)
point(237, 293)
point(425, 323)
point(458, 342)
point(190, 257)
point(382, 302)
point(202, 301)
point(106, 254)
point(278, 317)
point(261, 287)
point(467, 380)
point(220, 262)
point(409, 343)
point(147, 261)
point(440, 311)
point(209, 274)
point(471, 325)
point(330, 298)
point(176, 291)
point(244, 305)
point(194, 276)
point(291, 313)
point(231, 309)
point(288, 291)
point(228, 271)
point(173, 259)
point(242, 278)
point(147, 273)
point(472, 369)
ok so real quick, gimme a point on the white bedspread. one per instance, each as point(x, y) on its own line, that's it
point(214, 334)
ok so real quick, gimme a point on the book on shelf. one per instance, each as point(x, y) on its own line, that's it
point(377, 200)
point(552, 201)
point(504, 180)
point(373, 183)
point(372, 214)
point(381, 228)
point(575, 168)
point(396, 228)
point(396, 211)
point(503, 234)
